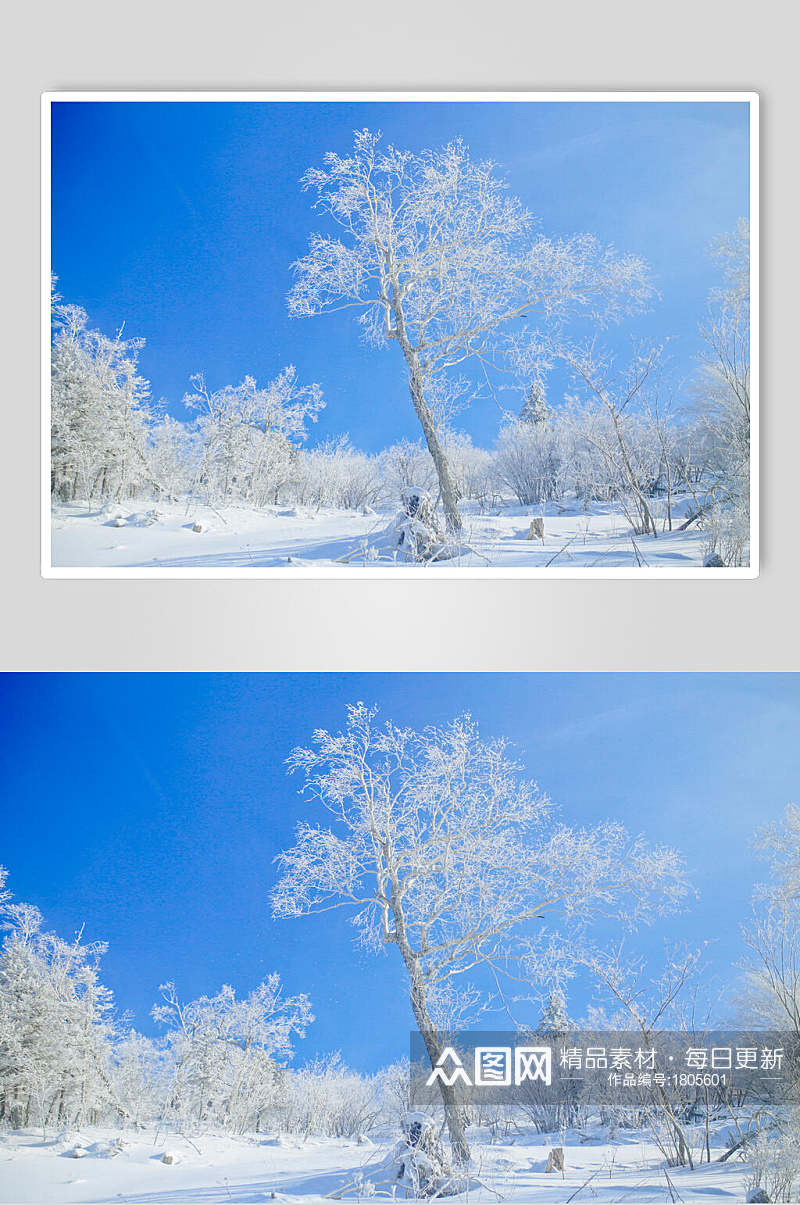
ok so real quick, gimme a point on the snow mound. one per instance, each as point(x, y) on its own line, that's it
point(105, 1149)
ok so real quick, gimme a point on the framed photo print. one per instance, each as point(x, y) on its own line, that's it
point(459, 334)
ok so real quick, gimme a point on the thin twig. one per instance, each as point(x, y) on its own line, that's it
point(555, 557)
point(673, 1192)
point(581, 1188)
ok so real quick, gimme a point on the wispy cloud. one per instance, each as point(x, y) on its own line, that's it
point(558, 152)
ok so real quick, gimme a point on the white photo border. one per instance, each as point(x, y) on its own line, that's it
point(48, 570)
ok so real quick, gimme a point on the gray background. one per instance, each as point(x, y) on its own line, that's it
point(389, 624)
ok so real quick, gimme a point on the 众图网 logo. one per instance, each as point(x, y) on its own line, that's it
point(494, 1067)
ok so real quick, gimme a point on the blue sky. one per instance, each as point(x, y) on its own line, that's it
point(181, 220)
point(150, 807)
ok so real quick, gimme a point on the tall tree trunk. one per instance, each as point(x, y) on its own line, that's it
point(423, 412)
point(452, 1111)
point(446, 484)
point(426, 1027)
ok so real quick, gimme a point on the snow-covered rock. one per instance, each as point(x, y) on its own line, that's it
point(106, 1149)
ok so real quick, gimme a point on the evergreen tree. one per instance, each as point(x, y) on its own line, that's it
point(535, 410)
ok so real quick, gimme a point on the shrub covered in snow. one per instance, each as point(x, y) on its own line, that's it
point(774, 1160)
point(326, 1097)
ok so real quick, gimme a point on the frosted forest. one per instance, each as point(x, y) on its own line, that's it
point(459, 875)
point(606, 453)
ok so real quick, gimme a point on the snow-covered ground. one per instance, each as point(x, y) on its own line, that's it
point(195, 537)
point(208, 1168)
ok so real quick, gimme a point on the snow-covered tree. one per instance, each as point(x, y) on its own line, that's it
point(535, 409)
point(252, 435)
point(327, 1097)
point(774, 1162)
point(724, 393)
point(55, 1026)
point(174, 454)
point(435, 256)
point(442, 850)
point(619, 393)
point(662, 433)
point(99, 411)
point(528, 460)
point(558, 1106)
point(405, 465)
point(226, 1052)
point(337, 474)
point(554, 1018)
point(771, 990)
point(141, 1076)
point(726, 330)
point(471, 466)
